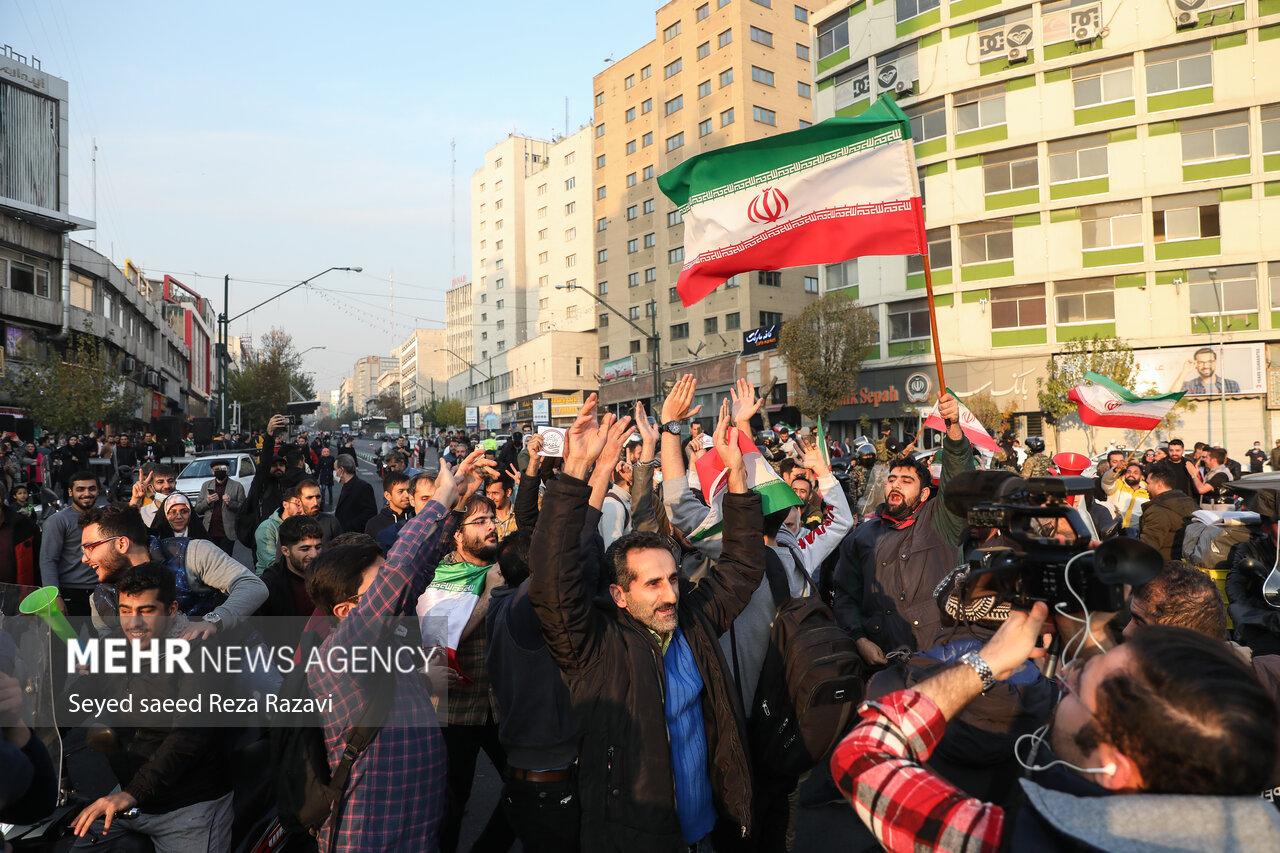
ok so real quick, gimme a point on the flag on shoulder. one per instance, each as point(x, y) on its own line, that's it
point(844, 188)
point(969, 424)
point(761, 479)
point(1107, 404)
point(446, 605)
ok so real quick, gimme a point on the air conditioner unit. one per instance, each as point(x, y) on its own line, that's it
point(903, 87)
point(1017, 54)
point(128, 364)
point(1084, 34)
point(1186, 19)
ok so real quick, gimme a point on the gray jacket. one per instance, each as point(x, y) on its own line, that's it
point(233, 500)
point(61, 562)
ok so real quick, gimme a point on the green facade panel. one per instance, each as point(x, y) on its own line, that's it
point(964, 7)
point(968, 162)
point(930, 39)
point(1271, 162)
point(1028, 82)
point(856, 8)
point(1066, 214)
point(1015, 198)
point(1180, 100)
point(1235, 39)
point(1105, 112)
point(982, 136)
point(1235, 193)
point(995, 66)
point(1162, 128)
point(920, 22)
point(1133, 279)
point(942, 277)
point(1081, 332)
point(1275, 319)
point(1271, 189)
point(901, 348)
point(1269, 33)
point(1268, 7)
point(1057, 75)
point(855, 109)
point(1019, 337)
point(1216, 169)
point(962, 30)
point(1204, 247)
point(1093, 186)
point(932, 147)
point(915, 281)
point(945, 300)
point(827, 62)
point(970, 296)
point(935, 169)
point(1062, 49)
point(1111, 257)
point(982, 272)
point(1022, 220)
point(1235, 323)
point(1170, 276)
point(1124, 134)
point(826, 84)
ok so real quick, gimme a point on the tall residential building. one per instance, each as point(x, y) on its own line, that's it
point(718, 73)
point(364, 378)
point(459, 322)
point(423, 368)
point(532, 244)
point(1087, 169)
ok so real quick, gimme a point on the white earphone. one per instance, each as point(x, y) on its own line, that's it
point(1036, 738)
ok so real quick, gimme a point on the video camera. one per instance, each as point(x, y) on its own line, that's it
point(1051, 559)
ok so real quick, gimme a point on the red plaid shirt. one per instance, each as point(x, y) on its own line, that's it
point(908, 808)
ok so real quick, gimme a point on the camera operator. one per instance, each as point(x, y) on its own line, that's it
point(1168, 712)
point(889, 567)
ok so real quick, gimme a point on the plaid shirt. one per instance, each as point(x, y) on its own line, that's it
point(395, 795)
point(907, 807)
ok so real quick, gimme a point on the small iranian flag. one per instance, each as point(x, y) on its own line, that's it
point(446, 605)
point(844, 188)
point(1106, 404)
point(761, 479)
point(969, 425)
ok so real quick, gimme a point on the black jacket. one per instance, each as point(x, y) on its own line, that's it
point(356, 505)
point(612, 665)
point(1160, 525)
point(385, 518)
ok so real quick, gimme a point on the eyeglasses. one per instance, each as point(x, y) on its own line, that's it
point(486, 521)
point(87, 548)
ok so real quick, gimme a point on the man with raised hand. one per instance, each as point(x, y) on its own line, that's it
point(646, 669)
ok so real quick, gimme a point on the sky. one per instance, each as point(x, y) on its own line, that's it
point(271, 140)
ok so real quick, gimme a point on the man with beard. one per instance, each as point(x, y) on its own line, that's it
point(309, 493)
point(499, 491)
point(470, 725)
point(1127, 495)
point(219, 504)
point(214, 590)
point(149, 492)
point(889, 567)
point(60, 563)
point(266, 492)
point(300, 539)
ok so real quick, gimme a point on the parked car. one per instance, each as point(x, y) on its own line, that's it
point(200, 470)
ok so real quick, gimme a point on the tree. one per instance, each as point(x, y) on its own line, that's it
point(261, 385)
point(388, 405)
point(74, 390)
point(444, 412)
point(825, 347)
point(984, 408)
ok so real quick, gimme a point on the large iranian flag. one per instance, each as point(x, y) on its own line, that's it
point(844, 188)
point(1107, 404)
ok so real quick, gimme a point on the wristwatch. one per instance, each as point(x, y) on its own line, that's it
point(981, 667)
point(213, 619)
point(672, 427)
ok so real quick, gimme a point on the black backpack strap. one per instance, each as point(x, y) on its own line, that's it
point(359, 737)
point(776, 575)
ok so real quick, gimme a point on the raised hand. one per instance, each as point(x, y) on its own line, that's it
point(745, 404)
point(676, 406)
point(725, 441)
point(446, 491)
point(648, 433)
point(815, 460)
point(585, 440)
point(141, 491)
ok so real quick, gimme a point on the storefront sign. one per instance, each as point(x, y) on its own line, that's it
point(763, 338)
point(566, 406)
point(918, 387)
point(473, 416)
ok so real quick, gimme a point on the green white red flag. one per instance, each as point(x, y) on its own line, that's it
point(761, 479)
point(844, 188)
point(969, 425)
point(1107, 404)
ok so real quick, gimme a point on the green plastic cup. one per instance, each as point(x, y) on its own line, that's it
point(41, 603)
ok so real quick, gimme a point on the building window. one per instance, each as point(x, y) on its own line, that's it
point(720, 4)
point(673, 294)
point(1102, 82)
point(981, 242)
point(844, 274)
point(704, 127)
point(679, 331)
point(632, 212)
point(570, 233)
point(571, 260)
point(633, 313)
point(928, 121)
point(542, 257)
point(802, 14)
point(1014, 169)
point(764, 116)
point(1187, 217)
point(674, 142)
point(646, 72)
point(646, 106)
point(601, 192)
point(1091, 300)
point(1236, 286)
point(602, 223)
point(602, 255)
point(811, 284)
point(599, 130)
point(1185, 66)
point(647, 173)
point(1078, 159)
point(704, 50)
point(570, 207)
point(599, 103)
point(1019, 307)
point(633, 279)
point(703, 12)
point(631, 179)
point(1271, 130)
point(726, 38)
point(909, 321)
point(704, 89)
point(939, 240)
point(604, 353)
point(635, 347)
point(803, 89)
point(603, 321)
point(908, 9)
point(671, 32)
point(802, 51)
point(82, 291)
point(1110, 226)
point(629, 81)
point(852, 85)
point(762, 75)
point(650, 275)
point(768, 4)
point(676, 255)
point(768, 318)
point(979, 108)
point(1217, 137)
point(732, 322)
point(646, 140)
point(674, 218)
point(633, 245)
point(502, 323)
point(631, 114)
point(631, 146)
point(674, 105)
point(763, 37)
point(711, 325)
point(833, 35)
point(484, 336)
point(650, 240)
point(602, 287)
point(769, 278)
point(726, 77)
point(672, 68)
point(726, 117)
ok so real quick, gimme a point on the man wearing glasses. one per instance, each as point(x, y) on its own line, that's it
point(60, 563)
point(1208, 381)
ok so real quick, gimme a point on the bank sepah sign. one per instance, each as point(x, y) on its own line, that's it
point(761, 339)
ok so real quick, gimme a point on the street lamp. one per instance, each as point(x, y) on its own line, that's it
point(224, 326)
point(652, 334)
point(488, 378)
point(309, 349)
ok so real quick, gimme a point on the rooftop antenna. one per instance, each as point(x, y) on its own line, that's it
point(95, 192)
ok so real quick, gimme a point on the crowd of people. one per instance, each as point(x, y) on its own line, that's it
point(607, 615)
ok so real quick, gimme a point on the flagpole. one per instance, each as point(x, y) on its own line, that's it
point(933, 313)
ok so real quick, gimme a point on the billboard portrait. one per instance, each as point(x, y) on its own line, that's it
point(1203, 370)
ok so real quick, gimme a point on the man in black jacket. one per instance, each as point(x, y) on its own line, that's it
point(646, 670)
point(356, 502)
point(300, 539)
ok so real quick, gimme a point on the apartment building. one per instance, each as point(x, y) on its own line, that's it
point(717, 73)
point(1088, 168)
point(459, 323)
point(365, 376)
point(423, 365)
